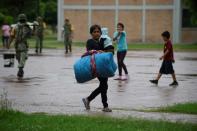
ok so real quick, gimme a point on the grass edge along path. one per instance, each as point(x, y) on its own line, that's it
point(132, 46)
point(184, 108)
point(14, 120)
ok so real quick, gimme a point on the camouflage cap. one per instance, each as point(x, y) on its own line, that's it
point(22, 17)
point(39, 18)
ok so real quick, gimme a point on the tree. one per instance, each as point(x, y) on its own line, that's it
point(50, 14)
point(14, 7)
point(192, 5)
point(32, 8)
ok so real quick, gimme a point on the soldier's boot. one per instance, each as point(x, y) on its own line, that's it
point(70, 48)
point(36, 51)
point(20, 73)
point(66, 50)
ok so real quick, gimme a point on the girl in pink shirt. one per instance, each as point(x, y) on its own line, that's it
point(5, 35)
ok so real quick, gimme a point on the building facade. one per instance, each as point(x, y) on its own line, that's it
point(144, 20)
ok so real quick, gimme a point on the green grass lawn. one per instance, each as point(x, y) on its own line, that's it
point(17, 121)
point(51, 42)
point(188, 108)
point(150, 46)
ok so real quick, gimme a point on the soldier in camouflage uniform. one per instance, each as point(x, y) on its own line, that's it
point(39, 29)
point(20, 33)
point(67, 35)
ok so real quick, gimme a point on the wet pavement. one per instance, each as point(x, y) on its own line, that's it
point(49, 85)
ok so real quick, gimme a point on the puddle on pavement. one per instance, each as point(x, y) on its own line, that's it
point(69, 54)
point(146, 73)
point(13, 79)
point(46, 55)
point(121, 89)
point(145, 65)
point(182, 80)
point(37, 55)
point(36, 84)
point(121, 85)
point(187, 75)
point(141, 56)
point(163, 87)
point(189, 59)
point(191, 75)
point(67, 68)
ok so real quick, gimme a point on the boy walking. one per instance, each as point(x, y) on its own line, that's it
point(168, 59)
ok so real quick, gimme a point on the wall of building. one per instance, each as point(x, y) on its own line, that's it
point(189, 35)
point(133, 24)
point(129, 12)
point(76, 2)
point(156, 23)
point(78, 19)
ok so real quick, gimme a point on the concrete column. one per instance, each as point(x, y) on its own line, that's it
point(144, 21)
point(89, 13)
point(60, 18)
point(177, 21)
point(116, 14)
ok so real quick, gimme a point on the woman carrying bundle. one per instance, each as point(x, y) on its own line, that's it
point(97, 43)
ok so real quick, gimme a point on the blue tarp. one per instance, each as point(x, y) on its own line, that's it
point(105, 67)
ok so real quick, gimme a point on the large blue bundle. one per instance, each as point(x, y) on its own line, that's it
point(105, 67)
